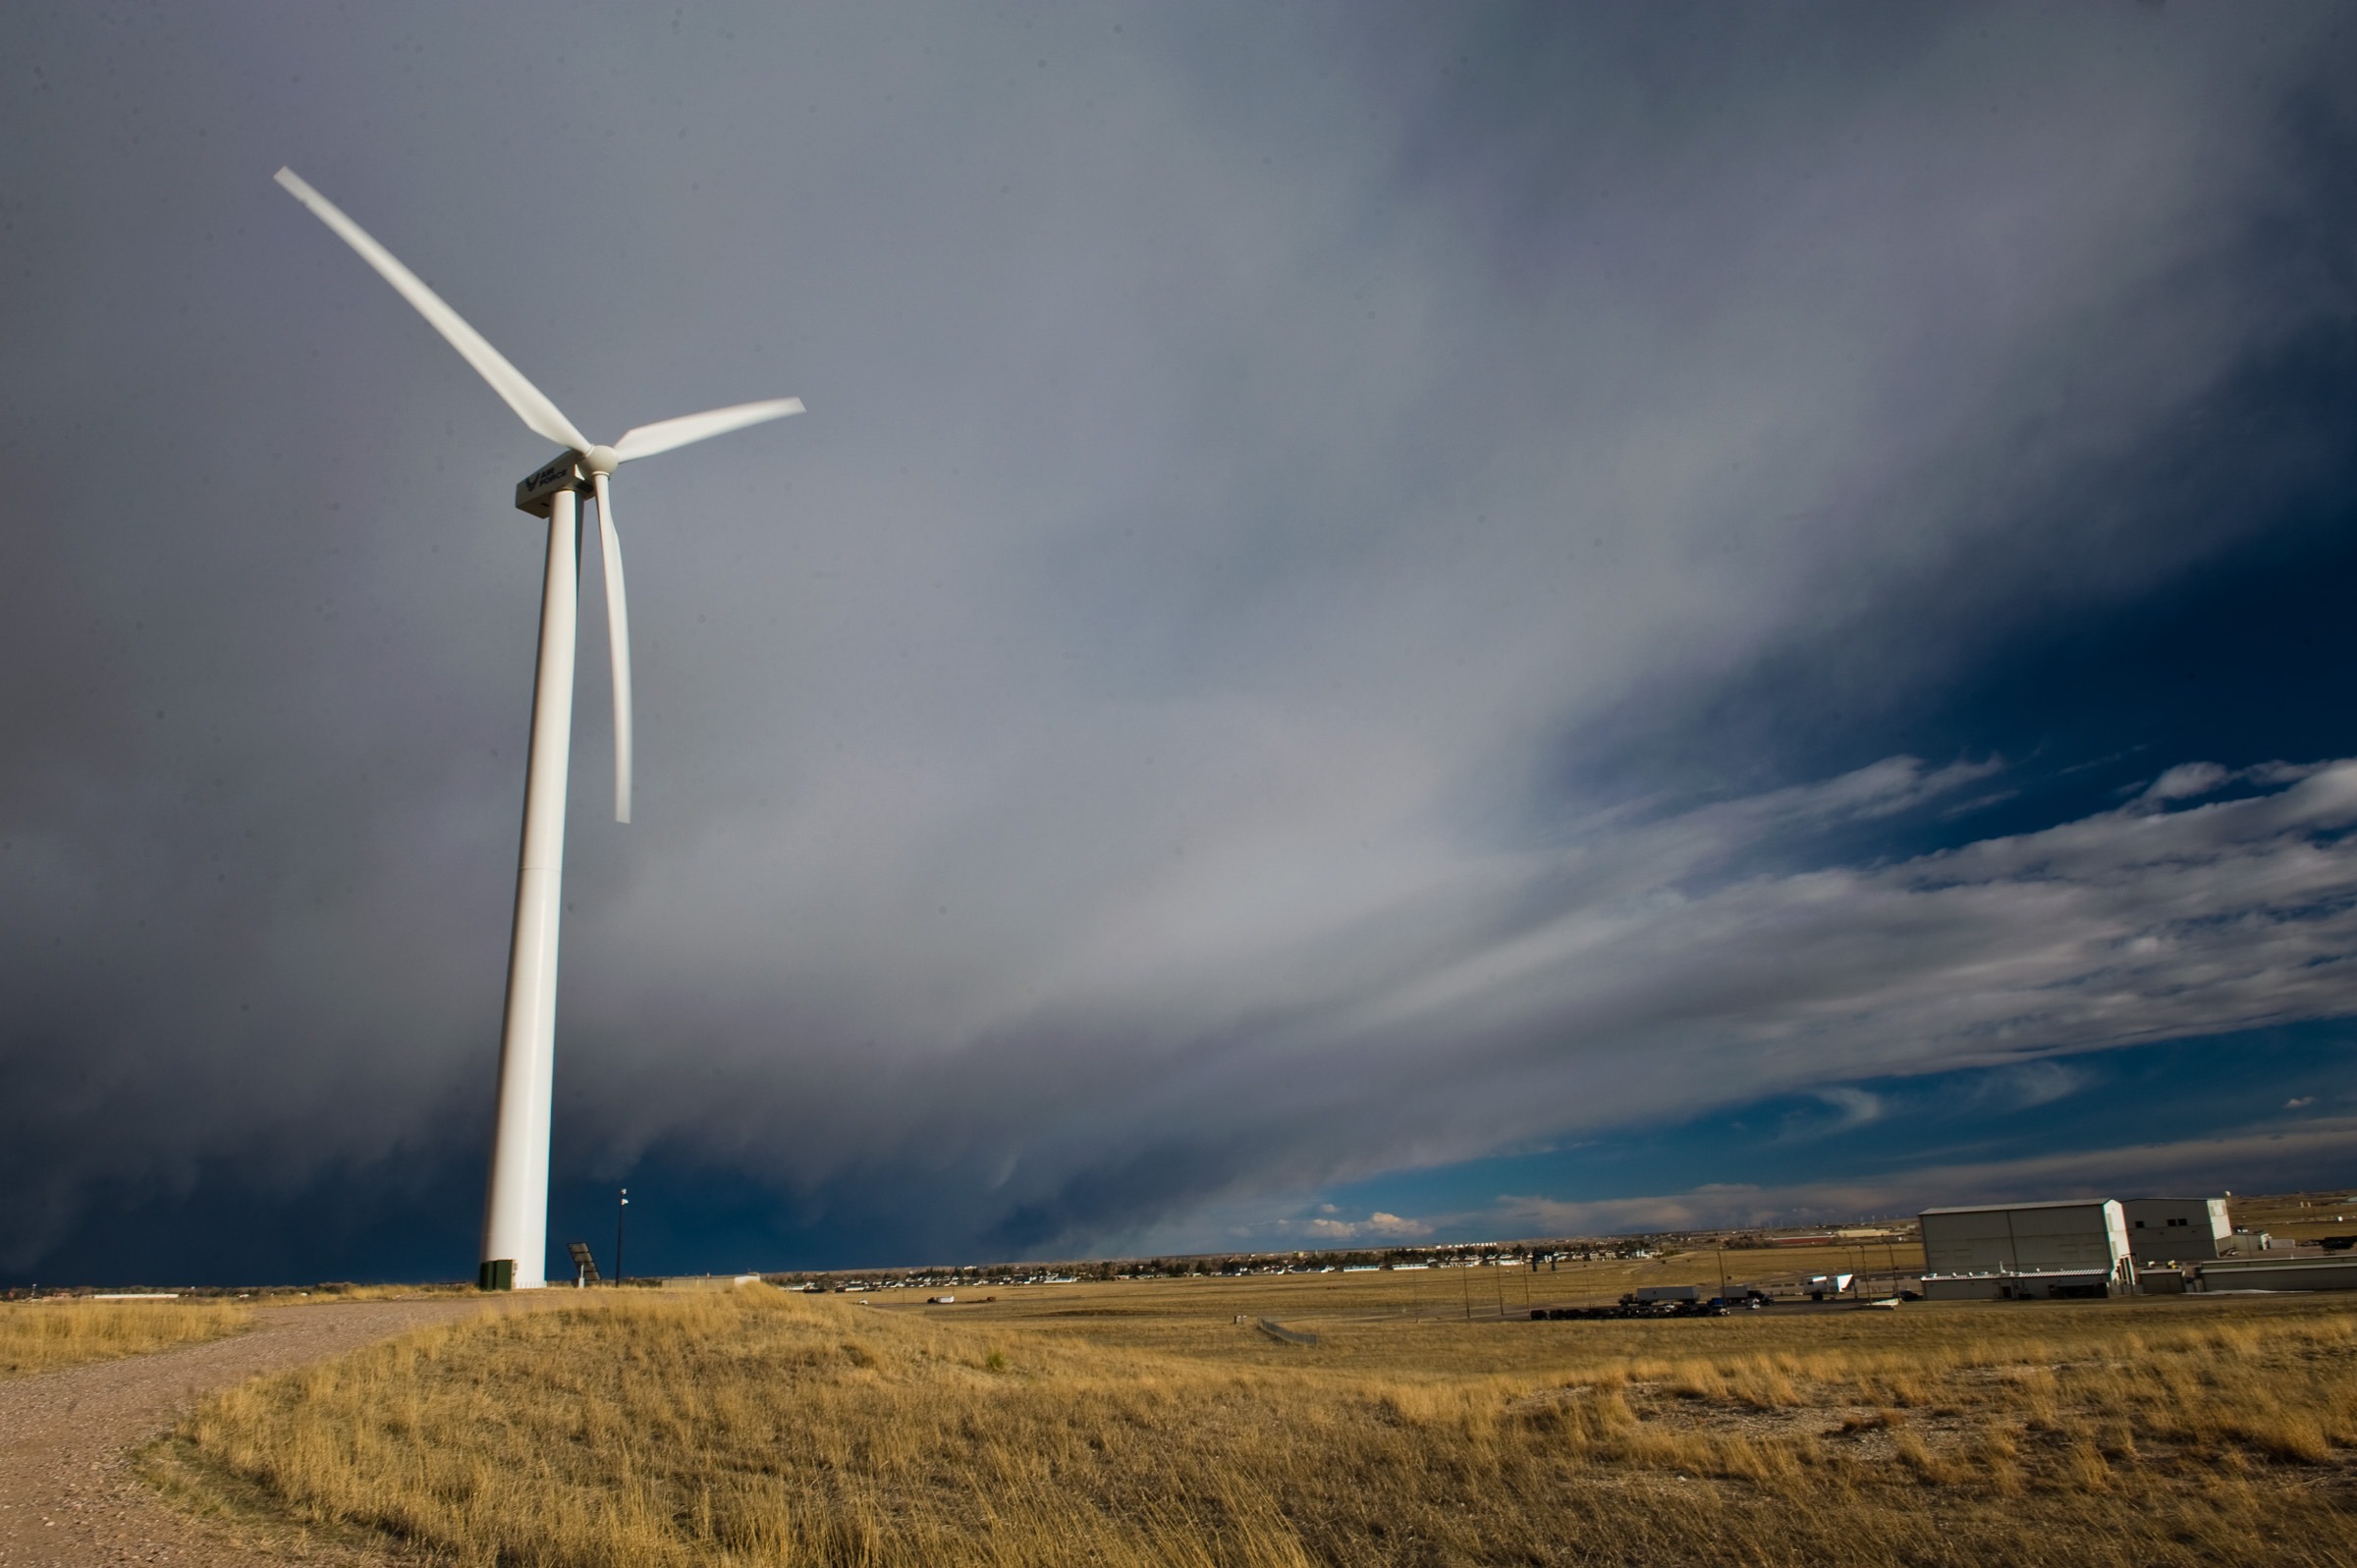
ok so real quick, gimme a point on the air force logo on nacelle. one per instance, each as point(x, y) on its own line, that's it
point(534, 490)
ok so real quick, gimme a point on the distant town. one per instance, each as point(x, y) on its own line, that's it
point(2041, 1249)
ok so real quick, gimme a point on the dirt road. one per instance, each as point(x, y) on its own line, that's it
point(68, 1493)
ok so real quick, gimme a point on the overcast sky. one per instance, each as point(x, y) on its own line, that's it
point(1443, 621)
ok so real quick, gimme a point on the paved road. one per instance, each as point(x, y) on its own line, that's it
point(67, 1493)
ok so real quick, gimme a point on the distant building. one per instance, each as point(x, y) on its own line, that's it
point(2030, 1250)
point(2178, 1230)
point(2280, 1273)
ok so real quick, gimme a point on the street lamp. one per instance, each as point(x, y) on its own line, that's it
point(620, 1210)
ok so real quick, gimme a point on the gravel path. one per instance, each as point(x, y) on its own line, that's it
point(69, 1494)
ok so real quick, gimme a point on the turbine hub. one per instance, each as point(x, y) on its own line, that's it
point(601, 458)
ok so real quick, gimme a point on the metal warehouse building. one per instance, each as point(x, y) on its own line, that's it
point(2178, 1229)
point(2029, 1250)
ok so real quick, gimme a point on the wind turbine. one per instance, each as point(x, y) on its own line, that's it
point(516, 1209)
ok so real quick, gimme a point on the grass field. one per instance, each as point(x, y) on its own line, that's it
point(2298, 1217)
point(43, 1336)
point(329, 1295)
point(1141, 1423)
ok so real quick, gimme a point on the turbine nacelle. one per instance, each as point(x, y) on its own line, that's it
point(535, 491)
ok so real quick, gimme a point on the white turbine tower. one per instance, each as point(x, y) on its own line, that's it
point(516, 1209)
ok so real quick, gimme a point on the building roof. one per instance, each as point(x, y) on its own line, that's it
point(2096, 1272)
point(1999, 1207)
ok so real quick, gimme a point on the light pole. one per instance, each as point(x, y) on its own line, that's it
point(620, 1210)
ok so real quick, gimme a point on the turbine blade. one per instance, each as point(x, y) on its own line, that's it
point(530, 404)
point(618, 643)
point(647, 440)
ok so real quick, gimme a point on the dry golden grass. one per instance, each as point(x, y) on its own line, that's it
point(326, 1295)
point(43, 1336)
point(1135, 1423)
point(2297, 1215)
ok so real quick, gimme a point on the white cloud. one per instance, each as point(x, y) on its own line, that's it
point(1637, 973)
point(1851, 1107)
point(2121, 927)
point(2029, 1084)
point(2186, 779)
point(1377, 1226)
point(2190, 779)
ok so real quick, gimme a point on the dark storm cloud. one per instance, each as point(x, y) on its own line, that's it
point(1106, 758)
